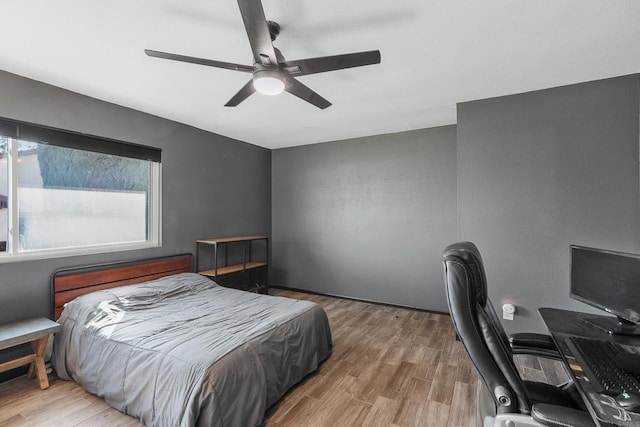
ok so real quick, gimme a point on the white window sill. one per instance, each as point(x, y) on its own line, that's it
point(88, 250)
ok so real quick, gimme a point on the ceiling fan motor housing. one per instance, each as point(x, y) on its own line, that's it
point(274, 29)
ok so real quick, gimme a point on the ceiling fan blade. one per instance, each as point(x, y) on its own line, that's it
point(331, 63)
point(258, 32)
point(241, 95)
point(296, 88)
point(200, 61)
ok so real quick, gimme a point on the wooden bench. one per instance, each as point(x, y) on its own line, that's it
point(35, 331)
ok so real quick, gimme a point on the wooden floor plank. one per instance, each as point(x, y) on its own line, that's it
point(406, 412)
point(463, 415)
point(304, 412)
point(382, 412)
point(390, 366)
point(336, 406)
point(400, 380)
point(466, 370)
point(433, 414)
point(555, 372)
point(443, 384)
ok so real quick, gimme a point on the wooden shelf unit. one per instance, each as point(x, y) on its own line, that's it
point(244, 268)
point(232, 269)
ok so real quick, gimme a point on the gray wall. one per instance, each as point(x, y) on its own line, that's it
point(366, 218)
point(211, 185)
point(540, 171)
point(523, 177)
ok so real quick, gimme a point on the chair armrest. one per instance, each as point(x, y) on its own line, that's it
point(560, 416)
point(534, 344)
point(527, 339)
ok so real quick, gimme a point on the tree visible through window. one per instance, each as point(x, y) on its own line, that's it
point(66, 167)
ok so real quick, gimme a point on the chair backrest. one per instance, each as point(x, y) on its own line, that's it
point(479, 328)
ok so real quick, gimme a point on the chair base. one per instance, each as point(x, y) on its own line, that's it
point(510, 420)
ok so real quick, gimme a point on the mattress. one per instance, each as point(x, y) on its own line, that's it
point(182, 350)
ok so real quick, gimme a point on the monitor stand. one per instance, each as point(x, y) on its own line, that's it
point(614, 325)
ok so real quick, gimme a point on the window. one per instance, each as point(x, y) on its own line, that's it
point(4, 191)
point(64, 193)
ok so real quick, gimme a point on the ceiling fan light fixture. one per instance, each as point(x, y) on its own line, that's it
point(271, 73)
point(268, 82)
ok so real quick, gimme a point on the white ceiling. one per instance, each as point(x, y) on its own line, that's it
point(435, 53)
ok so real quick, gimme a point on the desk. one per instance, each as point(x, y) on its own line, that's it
point(563, 324)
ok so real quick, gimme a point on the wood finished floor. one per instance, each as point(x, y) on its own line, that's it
point(390, 367)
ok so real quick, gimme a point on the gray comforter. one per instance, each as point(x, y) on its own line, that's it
point(184, 351)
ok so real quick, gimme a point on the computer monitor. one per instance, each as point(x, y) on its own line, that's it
point(609, 281)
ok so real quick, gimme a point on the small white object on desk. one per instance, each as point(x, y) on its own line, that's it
point(508, 310)
point(35, 331)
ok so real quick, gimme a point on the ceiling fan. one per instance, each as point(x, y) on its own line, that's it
point(272, 74)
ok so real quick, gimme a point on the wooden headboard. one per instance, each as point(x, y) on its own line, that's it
point(69, 283)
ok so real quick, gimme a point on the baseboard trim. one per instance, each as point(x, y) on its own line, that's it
point(306, 291)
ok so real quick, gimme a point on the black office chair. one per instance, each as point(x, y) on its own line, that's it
point(523, 403)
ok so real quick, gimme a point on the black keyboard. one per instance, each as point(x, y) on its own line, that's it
point(598, 361)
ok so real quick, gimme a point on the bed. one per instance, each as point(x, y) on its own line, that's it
point(179, 349)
